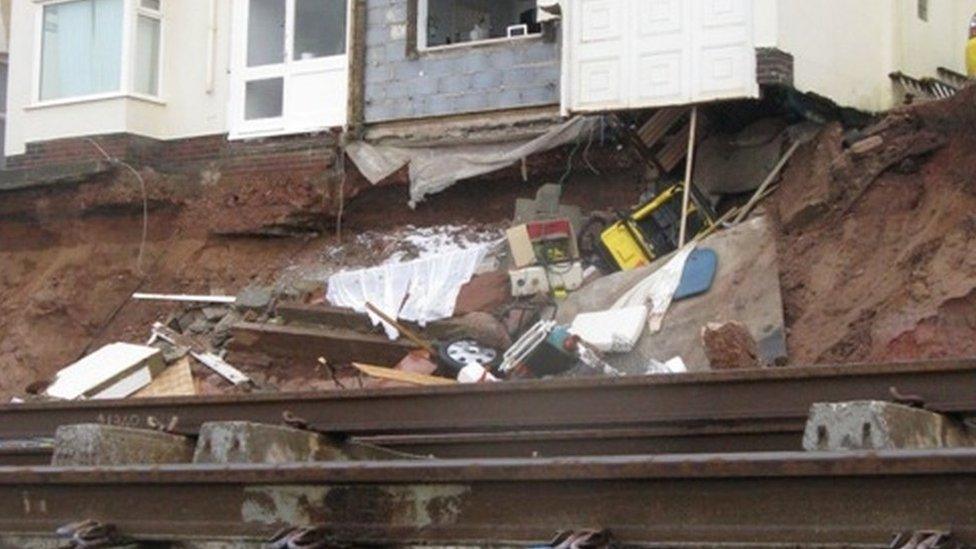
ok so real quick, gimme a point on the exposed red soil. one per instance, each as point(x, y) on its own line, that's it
point(68, 255)
point(892, 274)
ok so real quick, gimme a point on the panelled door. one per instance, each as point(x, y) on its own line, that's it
point(290, 66)
point(630, 54)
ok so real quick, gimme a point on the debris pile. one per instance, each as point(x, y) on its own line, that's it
point(833, 245)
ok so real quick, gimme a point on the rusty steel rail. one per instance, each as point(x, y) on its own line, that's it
point(593, 442)
point(781, 499)
point(758, 399)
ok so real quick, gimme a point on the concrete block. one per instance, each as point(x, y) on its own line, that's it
point(502, 59)
point(100, 445)
point(243, 442)
point(476, 62)
point(254, 298)
point(458, 83)
point(487, 79)
point(474, 102)
point(873, 425)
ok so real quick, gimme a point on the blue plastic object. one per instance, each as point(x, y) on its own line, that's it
point(699, 274)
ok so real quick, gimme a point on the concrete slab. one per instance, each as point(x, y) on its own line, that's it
point(873, 425)
point(746, 289)
point(244, 442)
point(99, 445)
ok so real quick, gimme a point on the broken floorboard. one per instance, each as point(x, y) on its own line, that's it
point(337, 346)
point(776, 499)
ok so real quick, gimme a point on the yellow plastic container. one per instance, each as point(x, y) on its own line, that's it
point(971, 58)
point(626, 246)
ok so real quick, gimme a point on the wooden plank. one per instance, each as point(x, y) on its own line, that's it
point(327, 315)
point(177, 380)
point(659, 124)
point(338, 346)
point(403, 377)
point(338, 317)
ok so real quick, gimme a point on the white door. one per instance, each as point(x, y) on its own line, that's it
point(630, 54)
point(291, 66)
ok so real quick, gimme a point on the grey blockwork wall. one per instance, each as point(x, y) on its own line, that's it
point(520, 73)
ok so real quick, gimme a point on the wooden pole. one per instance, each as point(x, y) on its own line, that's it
point(407, 332)
point(689, 170)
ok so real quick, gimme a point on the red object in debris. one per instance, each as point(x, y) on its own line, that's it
point(557, 228)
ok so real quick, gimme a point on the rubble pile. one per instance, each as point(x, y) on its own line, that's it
point(861, 252)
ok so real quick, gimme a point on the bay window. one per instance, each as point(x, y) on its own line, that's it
point(85, 48)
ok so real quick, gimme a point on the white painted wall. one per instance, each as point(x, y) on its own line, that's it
point(841, 49)
point(4, 26)
point(187, 109)
point(941, 41)
point(846, 49)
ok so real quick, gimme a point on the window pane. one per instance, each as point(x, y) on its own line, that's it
point(264, 98)
point(81, 49)
point(265, 32)
point(320, 28)
point(151, 4)
point(147, 56)
point(454, 22)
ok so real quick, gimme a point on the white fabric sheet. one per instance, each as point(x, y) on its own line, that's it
point(419, 291)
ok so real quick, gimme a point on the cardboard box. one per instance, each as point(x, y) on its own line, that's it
point(523, 240)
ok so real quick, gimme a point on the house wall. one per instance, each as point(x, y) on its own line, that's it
point(842, 49)
point(924, 46)
point(459, 80)
point(846, 50)
point(187, 108)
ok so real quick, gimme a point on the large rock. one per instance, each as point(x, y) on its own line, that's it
point(873, 425)
point(730, 346)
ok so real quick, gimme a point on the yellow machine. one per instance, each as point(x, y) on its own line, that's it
point(650, 231)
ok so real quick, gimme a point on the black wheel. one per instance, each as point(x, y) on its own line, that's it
point(459, 353)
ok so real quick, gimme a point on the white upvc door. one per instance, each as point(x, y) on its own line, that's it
point(631, 54)
point(291, 66)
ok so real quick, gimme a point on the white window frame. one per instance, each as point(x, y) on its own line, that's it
point(423, 11)
point(142, 11)
point(240, 74)
point(131, 11)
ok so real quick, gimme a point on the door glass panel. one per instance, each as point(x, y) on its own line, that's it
point(265, 32)
point(320, 28)
point(264, 98)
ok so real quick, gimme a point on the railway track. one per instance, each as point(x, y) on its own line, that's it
point(767, 499)
point(687, 460)
point(747, 401)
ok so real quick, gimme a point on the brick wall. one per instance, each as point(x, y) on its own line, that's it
point(401, 85)
point(292, 153)
point(774, 67)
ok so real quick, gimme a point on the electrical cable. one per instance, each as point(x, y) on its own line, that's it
point(145, 200)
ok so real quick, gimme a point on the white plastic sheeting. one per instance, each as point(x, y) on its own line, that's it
point(433, 169)
point(614, 331)
point(657, 290)
point(419, 291)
